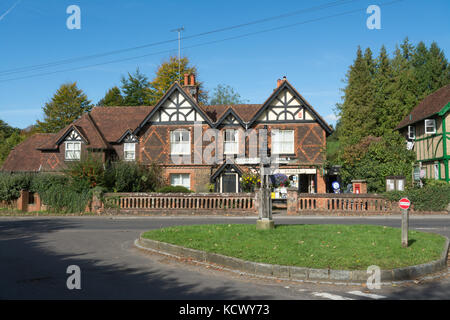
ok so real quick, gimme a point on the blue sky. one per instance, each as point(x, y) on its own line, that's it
point(314, 54)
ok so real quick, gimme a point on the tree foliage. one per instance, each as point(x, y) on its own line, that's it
point(167, 73)
point(112, 98)
point(225, 94)
point(136, 90)
point(66, 105)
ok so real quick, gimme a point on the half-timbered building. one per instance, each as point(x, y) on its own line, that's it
point(427, 131)
point(195, 144)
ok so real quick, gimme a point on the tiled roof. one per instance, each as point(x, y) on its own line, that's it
point(244, 111)
point(429, 106)
point(114, 121)
point(25, 156)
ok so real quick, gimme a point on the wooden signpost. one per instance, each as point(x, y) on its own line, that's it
point(404, 204)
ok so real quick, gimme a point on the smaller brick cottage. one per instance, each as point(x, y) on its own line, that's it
point(178, 133)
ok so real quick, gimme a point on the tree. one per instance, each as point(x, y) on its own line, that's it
point(6, 145)
point(112, 98)
point(224, 94)
point(167, 73)
point(66, 105)
point(136, 90)
point(357, 112)
point(374, 158)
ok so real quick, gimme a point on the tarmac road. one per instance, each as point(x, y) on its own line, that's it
point(36, 251)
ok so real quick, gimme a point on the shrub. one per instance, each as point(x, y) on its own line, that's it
point(86, 173)
point(132, 177)
point(60, 193)
point(429, 198)
point(174, 189)
point(12, 183)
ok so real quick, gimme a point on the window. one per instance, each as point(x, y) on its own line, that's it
point(282, 141)
point(180, 179)
point(180, 142)
point(411, 132)
point(73, 150)
point(129, 150)
point(231, 142)
point(430, 126)
point(436, 171)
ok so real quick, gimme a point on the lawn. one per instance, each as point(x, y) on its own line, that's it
point(345, 247)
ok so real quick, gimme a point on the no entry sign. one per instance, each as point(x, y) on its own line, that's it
point(404, 203)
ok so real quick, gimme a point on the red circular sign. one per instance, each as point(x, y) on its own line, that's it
point(404, 203)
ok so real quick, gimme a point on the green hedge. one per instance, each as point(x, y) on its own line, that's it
point(174, 189)
point(432, 197)
point(11, 184)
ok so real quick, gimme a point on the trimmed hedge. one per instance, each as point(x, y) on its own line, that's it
point(174, 189)
point(432, 197)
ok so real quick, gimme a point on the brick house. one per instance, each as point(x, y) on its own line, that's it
point(184, 137)
point(427, 130)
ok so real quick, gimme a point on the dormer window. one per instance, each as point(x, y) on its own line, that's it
point(129, 150)
point(411, 132)
point(73, 150)
point(430, 126)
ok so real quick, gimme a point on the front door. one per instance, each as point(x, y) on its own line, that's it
point(229, 182)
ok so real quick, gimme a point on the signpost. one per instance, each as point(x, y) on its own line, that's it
point(404, 204)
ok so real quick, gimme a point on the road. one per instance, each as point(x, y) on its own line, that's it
point(36, 251)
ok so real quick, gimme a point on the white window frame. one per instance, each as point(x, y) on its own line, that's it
point(231, 146)
point(283, 141)
point(129, 151)
point(177, 144)
point(180, 179)
point(411, 132)
point(436, 170)
point(430, 123)
point(71, 152)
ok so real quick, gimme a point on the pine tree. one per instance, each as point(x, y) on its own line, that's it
point(357, 112)
point(168, 73)
point(112, 98)
point(67, 104)
point(136, 90)
point(224, 94)
point(383, 79)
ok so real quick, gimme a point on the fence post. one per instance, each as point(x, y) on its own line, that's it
point(22, 202)
point(292, 201)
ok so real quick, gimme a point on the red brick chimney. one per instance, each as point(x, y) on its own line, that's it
point(280, 81)
point(190, 86)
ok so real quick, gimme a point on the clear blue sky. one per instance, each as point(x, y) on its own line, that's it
point(313, 55)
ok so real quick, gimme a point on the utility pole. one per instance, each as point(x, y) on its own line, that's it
point(179, 48)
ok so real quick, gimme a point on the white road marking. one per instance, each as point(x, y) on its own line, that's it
point(330, 296)
point(367, 295)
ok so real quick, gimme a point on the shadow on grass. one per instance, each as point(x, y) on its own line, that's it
point(30, 269)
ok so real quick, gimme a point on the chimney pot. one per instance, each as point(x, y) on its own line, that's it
point(279, 82)
point(186, 79)
point(192, 76)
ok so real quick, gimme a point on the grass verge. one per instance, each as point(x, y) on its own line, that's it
point(340, 247)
